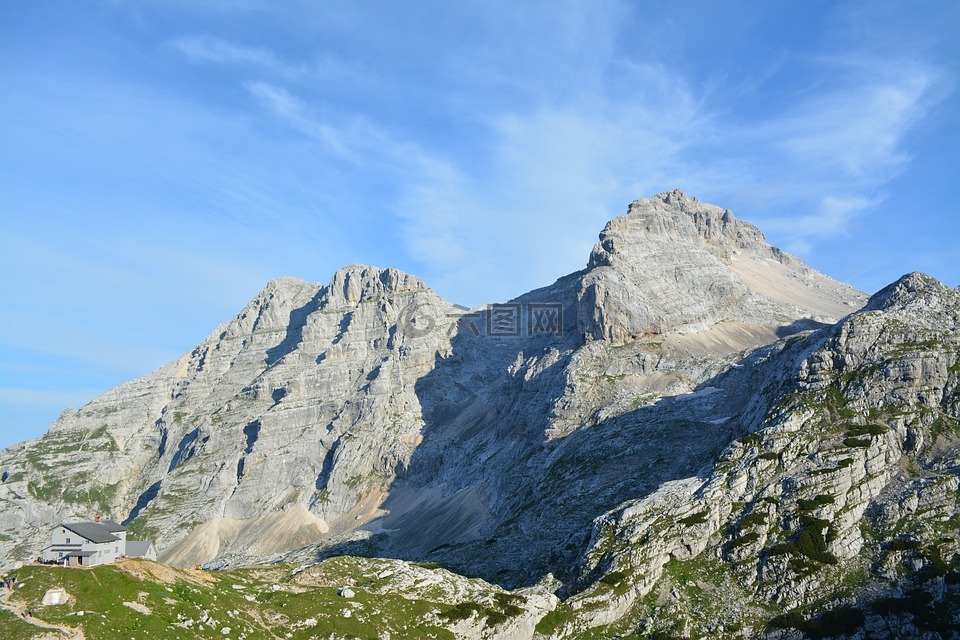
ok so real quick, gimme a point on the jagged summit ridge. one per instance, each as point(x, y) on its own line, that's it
point(673, 263)
point(359, 283)
point(667, 213)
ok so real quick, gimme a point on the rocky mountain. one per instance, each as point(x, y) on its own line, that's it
point(695, 435)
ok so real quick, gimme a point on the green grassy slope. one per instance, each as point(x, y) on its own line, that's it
point(404, 600)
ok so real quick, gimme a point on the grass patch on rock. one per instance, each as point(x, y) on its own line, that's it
point(808, 543)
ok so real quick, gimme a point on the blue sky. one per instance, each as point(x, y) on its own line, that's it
point(160, 161)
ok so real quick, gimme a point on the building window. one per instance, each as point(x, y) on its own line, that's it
point(68, 540)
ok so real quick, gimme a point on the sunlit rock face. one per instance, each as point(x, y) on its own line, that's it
point(675, 264)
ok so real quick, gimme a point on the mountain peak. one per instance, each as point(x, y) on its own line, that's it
point(675, 215)
point(673, 262)
point(358, 283)
point(675, 197)
point(906, 290)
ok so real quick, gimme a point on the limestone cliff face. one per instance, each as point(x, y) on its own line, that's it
point(304, 399)
point(675, 264)
point(693, 396)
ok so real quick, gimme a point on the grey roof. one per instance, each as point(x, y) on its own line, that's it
point(112, 526)
point(137, 548)
point(92, 531)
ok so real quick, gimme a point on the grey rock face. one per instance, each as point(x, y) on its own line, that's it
point(674, 264)
point(282, 406)
point(852, 465)
point(686, 397)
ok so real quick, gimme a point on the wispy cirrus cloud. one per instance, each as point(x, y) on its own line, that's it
point(207, 48)
point(583, 125)
point(321, 66)
point(857, 127)
point(829, 156)
point(432, 206)
point(812, 168)
point(830, 216)
point(351, 136)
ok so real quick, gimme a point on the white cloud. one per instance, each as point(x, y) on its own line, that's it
point(858, 127)
point(321, 66)
point(531, 210)
point(210, 49)
point(829, 157)
point(297, 114)
point(279, 100)
point(573, 129)
point(831, 216)
point(835, 214)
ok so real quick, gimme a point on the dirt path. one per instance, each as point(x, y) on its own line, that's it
point(70, 633)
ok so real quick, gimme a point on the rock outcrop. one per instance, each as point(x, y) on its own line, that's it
point(848, 471)
point(674, 264)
